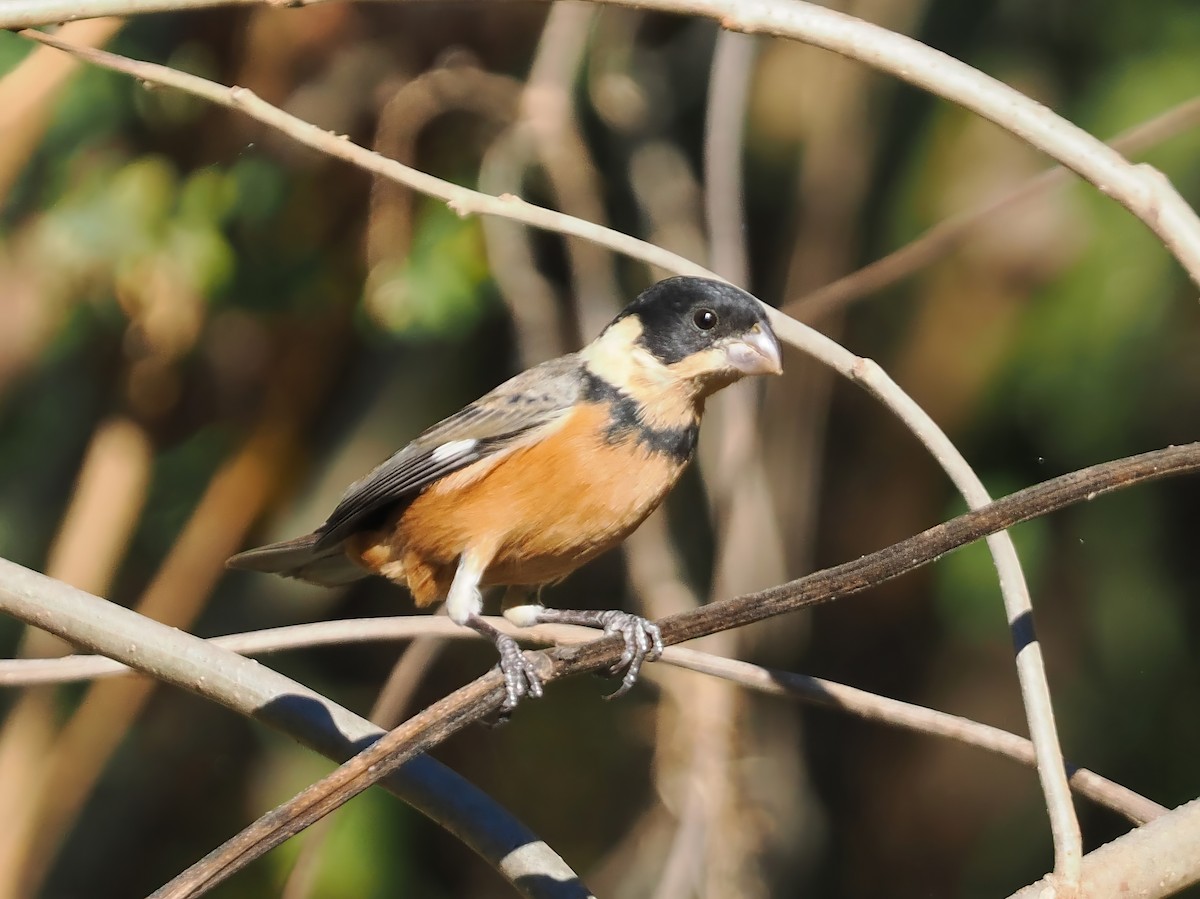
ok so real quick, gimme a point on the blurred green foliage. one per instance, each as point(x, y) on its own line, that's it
point(439, 288)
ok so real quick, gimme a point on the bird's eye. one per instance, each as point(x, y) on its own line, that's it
point(705, 319)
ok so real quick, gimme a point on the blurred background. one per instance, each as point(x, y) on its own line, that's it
point(207, 332)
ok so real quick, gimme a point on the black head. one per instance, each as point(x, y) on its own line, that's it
point(683, 318)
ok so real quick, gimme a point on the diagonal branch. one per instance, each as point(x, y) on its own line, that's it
point(946, 235)
point(250, 689)
point(483, 697)
point(873, 707)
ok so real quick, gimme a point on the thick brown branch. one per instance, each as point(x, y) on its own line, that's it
point(907, 555)
point(483, 696)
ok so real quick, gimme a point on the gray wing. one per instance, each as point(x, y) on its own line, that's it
point(533, 399)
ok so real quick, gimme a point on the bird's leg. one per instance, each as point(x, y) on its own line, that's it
point(643, 642)
point(463, 604)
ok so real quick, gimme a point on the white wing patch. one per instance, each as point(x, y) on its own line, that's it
point(452, 449)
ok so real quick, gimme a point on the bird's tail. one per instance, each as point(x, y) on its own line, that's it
point(302, 558)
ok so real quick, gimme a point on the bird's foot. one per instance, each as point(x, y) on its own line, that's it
point(520, 676)
point(643, 643)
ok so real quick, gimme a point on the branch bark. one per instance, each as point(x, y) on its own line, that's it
point(248, 688)
point(1156, 860)
point(482, 697)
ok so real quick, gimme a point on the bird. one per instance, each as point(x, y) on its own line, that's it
point(544, 473)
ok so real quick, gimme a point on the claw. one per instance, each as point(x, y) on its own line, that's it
point(643, 640)
point(643, 643)
point(520, 677)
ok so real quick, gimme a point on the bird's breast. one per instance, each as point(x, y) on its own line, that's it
point(546, 508)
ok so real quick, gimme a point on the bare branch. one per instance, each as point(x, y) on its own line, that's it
point(946, 235)
point(1139, 188)
point(548, 116)
point(26, 13)
point(724, 200)
point(873, 707)
point(717, 850)
point(253, 690)
point(388, 710)
point(1156, 860)
point(813, 690)
point(483, 696)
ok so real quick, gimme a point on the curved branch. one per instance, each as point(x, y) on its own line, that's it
point(250, 689)
point(873, 707)
point(724, 194)
point(1141, 189)
point(483, 696)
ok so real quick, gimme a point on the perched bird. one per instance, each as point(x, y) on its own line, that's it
point(544, 473)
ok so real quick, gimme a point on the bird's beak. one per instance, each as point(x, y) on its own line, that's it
point(755, 353)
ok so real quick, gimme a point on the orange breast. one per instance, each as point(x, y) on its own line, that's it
point(539, 513)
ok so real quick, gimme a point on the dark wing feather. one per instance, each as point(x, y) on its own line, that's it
point(533, 399)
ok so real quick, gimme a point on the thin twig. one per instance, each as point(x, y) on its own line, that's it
point(813, 690)
point(532, 299)
point(548, 114)
point(1030, 667)
point(461, 86)
point(1139, 188)
point(483, 696)
point(717, 842)
point(874, 707)
point(949, 233)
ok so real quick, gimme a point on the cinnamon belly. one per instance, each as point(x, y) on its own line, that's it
point(539, 512)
